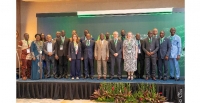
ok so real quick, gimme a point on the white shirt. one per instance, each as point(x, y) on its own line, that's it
point(49, 46)
point(102, 41)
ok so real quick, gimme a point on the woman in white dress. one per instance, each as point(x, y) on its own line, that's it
point(130, 55)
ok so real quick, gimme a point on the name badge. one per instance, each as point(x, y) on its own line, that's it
point(28, 50)
point(61, 47)
point(40, 52)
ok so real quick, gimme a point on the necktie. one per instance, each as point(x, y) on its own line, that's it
point(115, 42)
point(150, 40)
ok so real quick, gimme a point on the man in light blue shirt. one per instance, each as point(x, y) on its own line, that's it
point(175, 55)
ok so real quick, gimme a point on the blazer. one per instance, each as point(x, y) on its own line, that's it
point(117, 49)
point(164, 48)
point(88, 51)
point(72, 53)
point(101, 50)
point(63, 52)
point(45, 52)
point(154, 46)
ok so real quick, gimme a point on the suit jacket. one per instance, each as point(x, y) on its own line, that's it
point(164, 48)
point(63, 52)
point(141, 49)
point(45, 48)
point(72, 53)
point(117, 49)
point(154, 46)
point(88, 51)
point(101, 50)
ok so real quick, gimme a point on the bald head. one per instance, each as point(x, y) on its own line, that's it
point(115, 34)
point(172, 31)
point(155, 31)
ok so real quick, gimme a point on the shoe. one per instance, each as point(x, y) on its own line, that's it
point(24, 78)
point(77, 77)
point(91, 77)
point(160, 78)
point(177, 79)
point(59, 77)
point(165, 78)
point(85, 77)
point(129, 77)
point(119, 78)
point(153, 78)
point(99, 77)
point(46, 76)
point(104, 77)
point(111, 78)
point(72, 78)
point(146, 78)
point(66, 76)
point(171, 77)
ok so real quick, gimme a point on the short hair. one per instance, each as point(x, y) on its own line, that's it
point(48, 35)
point(37, 35)
point(25, 33)
point(116, 32)
point(57, 32)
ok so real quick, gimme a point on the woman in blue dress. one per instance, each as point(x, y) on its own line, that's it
point(36, 51)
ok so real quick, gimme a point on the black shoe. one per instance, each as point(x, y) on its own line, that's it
point(119, 78)
point(153, 78)
point(160, 78)
point(171, 77)
point(165, 78)
point(111, 78)
point(177, 79)
point(91, 77)
point(55, 77)
point(59, 77)
point(85, 77)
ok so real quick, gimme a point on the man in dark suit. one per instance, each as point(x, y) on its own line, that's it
point(150, 47)
point(140, 60)
point(49, 51)
point(115, 52)
point(88, 56)
point(163, 55)
point(83, 38)
point(155, 35)
point(61, 52)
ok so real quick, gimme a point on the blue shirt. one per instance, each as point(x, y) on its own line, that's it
point(175, 46)
point(49, 46)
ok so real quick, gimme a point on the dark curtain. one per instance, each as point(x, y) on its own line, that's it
point(83, 90)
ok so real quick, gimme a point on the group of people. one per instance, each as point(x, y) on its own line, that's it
point(126, 51)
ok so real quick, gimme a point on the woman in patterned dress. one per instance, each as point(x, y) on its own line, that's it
point(130, 55)
point(36, 51)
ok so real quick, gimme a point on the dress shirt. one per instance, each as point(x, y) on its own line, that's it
point(49, 46)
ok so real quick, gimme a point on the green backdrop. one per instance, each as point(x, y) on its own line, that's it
point(134, 23)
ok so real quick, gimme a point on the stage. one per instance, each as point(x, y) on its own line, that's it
point(83, 88)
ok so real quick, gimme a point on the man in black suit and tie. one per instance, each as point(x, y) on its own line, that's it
point(83, 38)
point(49, 51)
point(88, 56)
point(115, 52)
point(163, 55)
point(150, 47)
point(140, 60)
point(61, 53)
